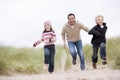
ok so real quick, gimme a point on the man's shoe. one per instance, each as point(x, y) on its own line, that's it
point(74, 62)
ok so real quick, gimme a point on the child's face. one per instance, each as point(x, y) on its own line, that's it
point(99, 20)
point(47, 27)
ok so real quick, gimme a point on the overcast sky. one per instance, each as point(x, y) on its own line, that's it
point(21, 21)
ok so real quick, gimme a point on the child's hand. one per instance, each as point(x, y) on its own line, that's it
point(34, 45)
point(50, 39)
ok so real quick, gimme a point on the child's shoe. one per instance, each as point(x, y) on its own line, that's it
point(94, 66)
point(50, 72)
point(45, 66)
point(104, 62)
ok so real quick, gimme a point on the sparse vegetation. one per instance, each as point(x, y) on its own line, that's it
point(24, 60)
point(30, 60)
point(113, 52)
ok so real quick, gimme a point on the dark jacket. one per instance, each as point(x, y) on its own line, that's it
point(98, 34)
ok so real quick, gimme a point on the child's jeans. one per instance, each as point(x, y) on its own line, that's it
point(95, 52)
point(49, 52)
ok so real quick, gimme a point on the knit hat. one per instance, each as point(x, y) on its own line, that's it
point(47, 23)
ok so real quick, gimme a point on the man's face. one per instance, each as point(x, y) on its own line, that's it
point(71, 20)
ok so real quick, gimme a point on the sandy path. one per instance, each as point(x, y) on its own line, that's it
point(101, 73)
point(72, 74)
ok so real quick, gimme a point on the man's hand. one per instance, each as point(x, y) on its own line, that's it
point(65, 46)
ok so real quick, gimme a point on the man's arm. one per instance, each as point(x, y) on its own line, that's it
point(84, 27)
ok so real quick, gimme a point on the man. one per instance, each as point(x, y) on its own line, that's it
point(71, 31)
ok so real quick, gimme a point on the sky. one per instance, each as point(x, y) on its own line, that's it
point(21, 21)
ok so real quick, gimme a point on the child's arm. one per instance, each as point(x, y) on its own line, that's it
point(94, 32)
point(53, 39)
point(37, 43)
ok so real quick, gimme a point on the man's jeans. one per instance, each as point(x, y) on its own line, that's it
point(76, 47)
point(95, 52)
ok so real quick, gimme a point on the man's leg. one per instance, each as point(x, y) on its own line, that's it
point(72, 51)
point(81, 54)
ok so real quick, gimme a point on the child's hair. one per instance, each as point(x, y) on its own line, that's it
point(99, 16)
point(50, 29)
point(48, 23)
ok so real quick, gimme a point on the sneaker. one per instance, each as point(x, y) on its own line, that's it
point(104, 62)
point(82, 68)
point(94, 66)
point(74, 62)
point(45, 66)
point(50, 72)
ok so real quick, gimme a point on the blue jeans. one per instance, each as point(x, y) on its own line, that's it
point(76, 47)
point(49, 53)
point(102, 52)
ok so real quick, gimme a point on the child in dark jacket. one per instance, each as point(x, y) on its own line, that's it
point(48, 37)
point(99, 40)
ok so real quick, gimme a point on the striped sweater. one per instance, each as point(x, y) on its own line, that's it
point(48, 37)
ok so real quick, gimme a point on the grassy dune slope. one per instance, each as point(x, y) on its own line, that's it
point(30, 60)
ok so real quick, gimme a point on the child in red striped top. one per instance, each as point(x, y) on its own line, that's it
point(48, 37)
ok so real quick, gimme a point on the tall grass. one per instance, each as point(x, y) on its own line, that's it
point(113, 49)
point(87, 49)
point(20, 60)
point(25, 60)
point(68, 59)
point(30, 60)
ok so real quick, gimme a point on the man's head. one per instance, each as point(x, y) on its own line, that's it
point(71, 19)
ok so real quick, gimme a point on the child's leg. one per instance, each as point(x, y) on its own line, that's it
point(95, 56)
point(45, 66)
point(103, 53)
point(46, 58)
point(51, 63)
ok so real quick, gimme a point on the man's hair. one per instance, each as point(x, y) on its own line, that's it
point(70, 14)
